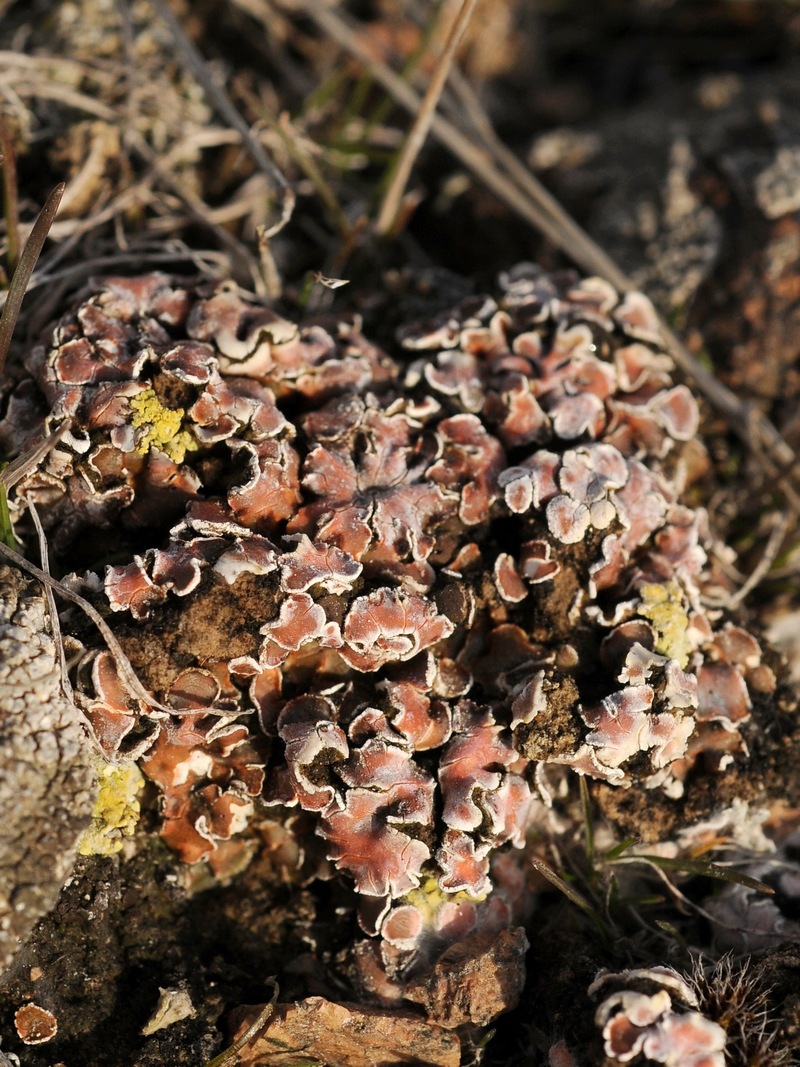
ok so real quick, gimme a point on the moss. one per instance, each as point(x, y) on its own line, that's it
point(663, 606)
point(162, 427)
point(116, 810)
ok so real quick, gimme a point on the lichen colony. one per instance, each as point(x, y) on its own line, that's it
point(392, 601)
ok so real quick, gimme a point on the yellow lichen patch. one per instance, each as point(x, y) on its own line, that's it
point(664, 606)
point(116, 810)
point(161, 426)
point(428, 897)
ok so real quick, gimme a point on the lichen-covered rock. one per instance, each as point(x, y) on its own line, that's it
point(404, 595)
point(47, 778)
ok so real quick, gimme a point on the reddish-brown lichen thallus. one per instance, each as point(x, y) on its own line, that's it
point(402, 594)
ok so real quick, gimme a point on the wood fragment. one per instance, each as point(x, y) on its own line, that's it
point(320, 1031)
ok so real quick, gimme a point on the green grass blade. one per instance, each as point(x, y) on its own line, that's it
point(702, 868)
point(570, 893)
point(616, 852)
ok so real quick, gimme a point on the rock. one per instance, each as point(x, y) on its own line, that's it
point(475, 980)
point(46, 776)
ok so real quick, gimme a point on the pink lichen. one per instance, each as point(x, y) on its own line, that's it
point(314, 744)
point(390, 595)
point(299, 622)
point(209, 771)
point(389, 626)
point(366, 838)
point(650, 1015)
point(116, 716)
point(508, 580)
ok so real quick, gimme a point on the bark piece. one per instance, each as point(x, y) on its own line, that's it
point(344, 1035)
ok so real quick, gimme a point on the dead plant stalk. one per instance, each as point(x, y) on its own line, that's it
point(392, 201)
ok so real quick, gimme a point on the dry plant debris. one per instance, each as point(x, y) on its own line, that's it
point(323, 1032)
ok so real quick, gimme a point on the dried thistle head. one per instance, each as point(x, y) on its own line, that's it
point(738, 998)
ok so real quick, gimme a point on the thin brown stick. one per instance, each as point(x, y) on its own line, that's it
point(19, 283)
point(41, 90)
point(780, 528)
point(10, 197)
point(392, 201)
point(31, 458)
point(228, 1055)
point(126, 671)
point(293, 143)
point(525, 195)
point(55, 623)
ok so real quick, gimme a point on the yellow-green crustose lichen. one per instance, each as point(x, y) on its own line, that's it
point(162, 427)
point(116, 810)
point(429, 897)
point(664, 607)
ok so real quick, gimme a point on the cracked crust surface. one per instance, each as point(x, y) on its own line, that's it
point(47, 786)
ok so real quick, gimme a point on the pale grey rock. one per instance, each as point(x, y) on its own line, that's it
point(47, 781)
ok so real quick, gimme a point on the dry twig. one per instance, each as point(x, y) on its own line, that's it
point(22, 275)
point(392, 201)
point(10, 197)
point(230, 1054)
point(123, 664)
point(780, 527)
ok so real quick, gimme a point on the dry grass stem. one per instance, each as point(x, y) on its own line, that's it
point(293, 143)
point(229, 1055)
point(10, 197)
point(43, 90)
point(28, 460)
point(126, 671)
point(199, 211)
point(55, 623)
point(392, 201)
point(19, 283)
point(781, 525)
